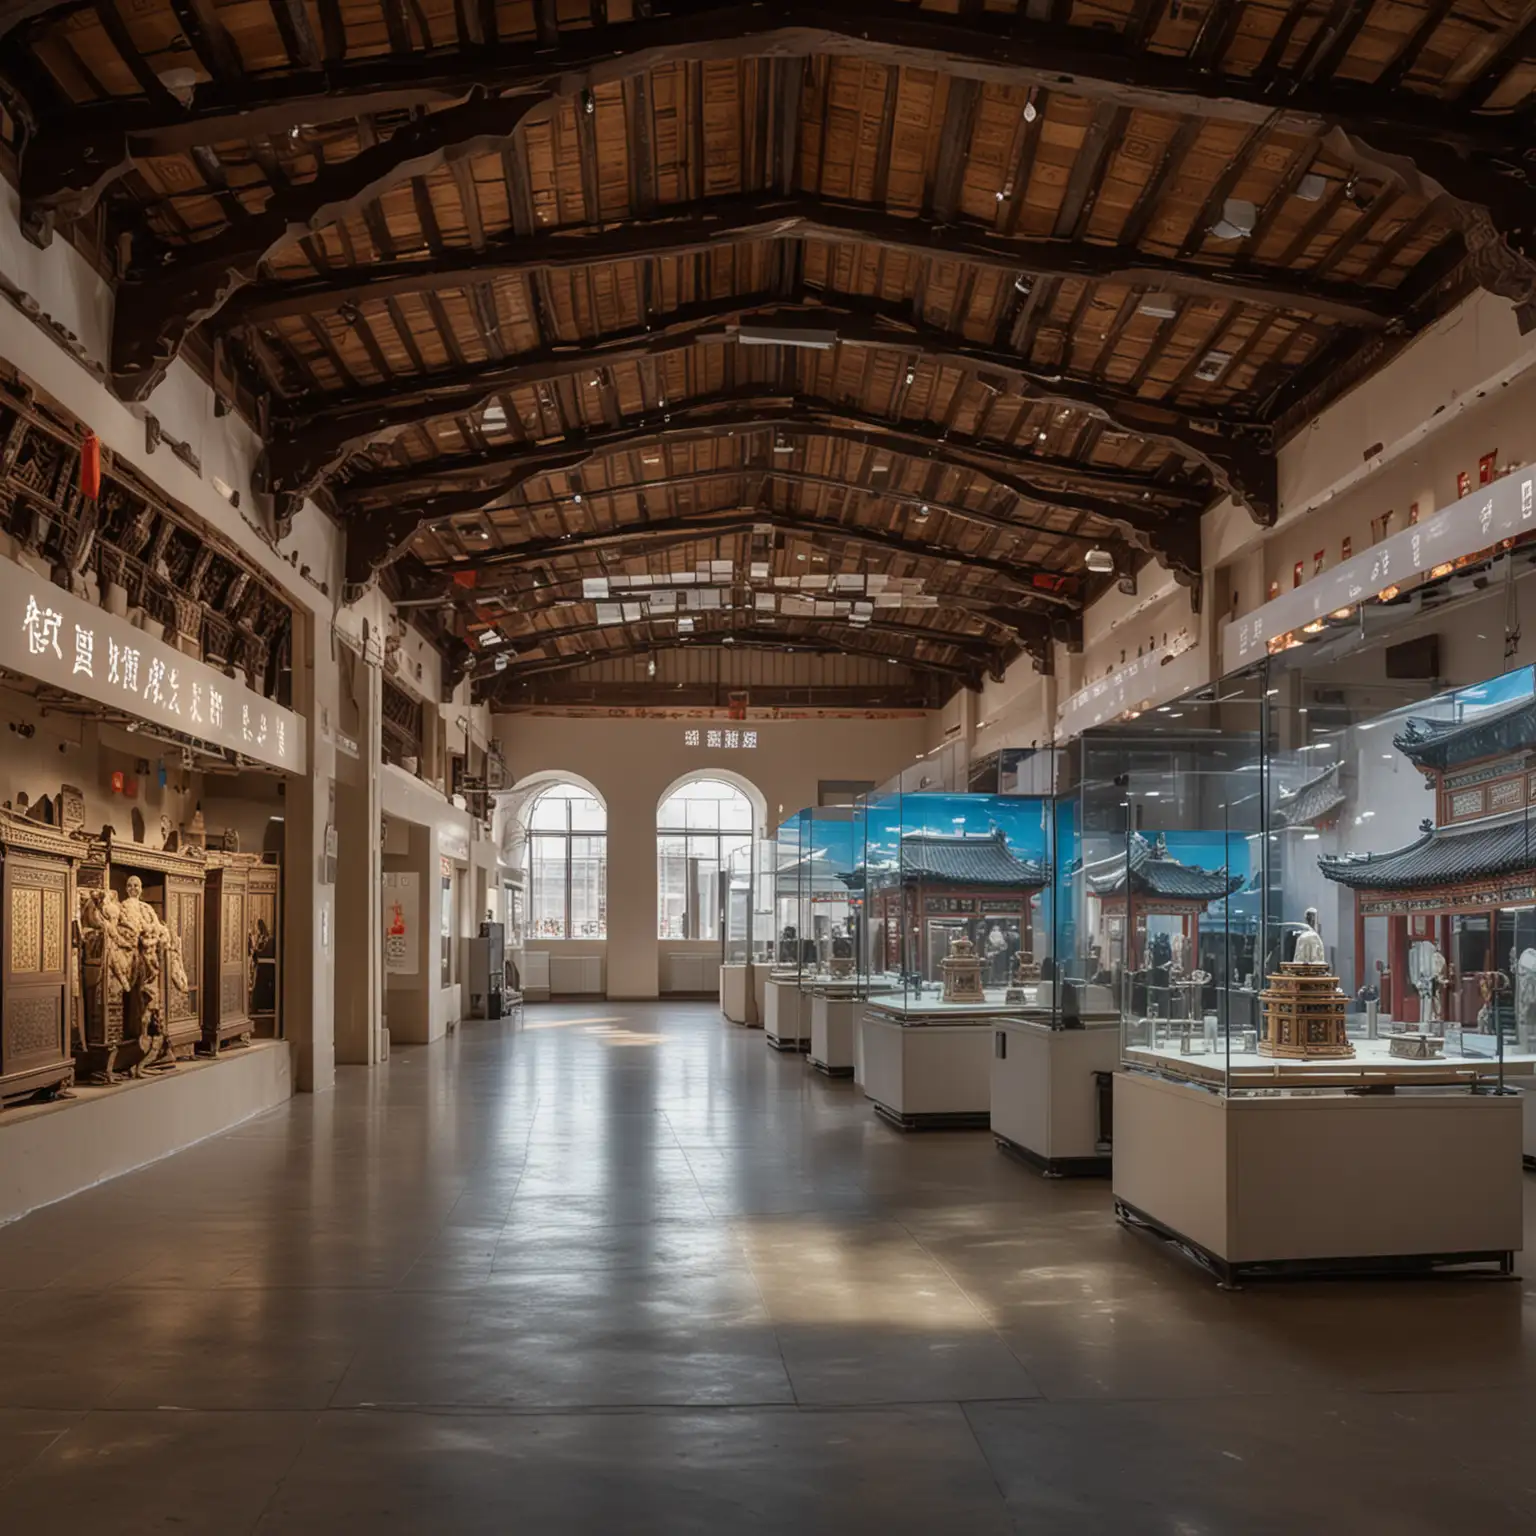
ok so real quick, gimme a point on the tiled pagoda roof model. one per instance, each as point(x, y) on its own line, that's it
point(814, 874)
point(1155, 873)
point(1443, 856)
point(961, 859)
point(1489, 733)
point(1312, 802)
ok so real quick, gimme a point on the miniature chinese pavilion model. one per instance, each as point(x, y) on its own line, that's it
point(1475, 858)
point(950, 885)
point(1160, 886)
point(1304, 1013)
point(962, 973)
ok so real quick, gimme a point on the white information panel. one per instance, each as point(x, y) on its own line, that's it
point(1506, 509)
point(62, 640)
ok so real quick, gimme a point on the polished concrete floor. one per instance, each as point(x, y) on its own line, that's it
point(624, 1270)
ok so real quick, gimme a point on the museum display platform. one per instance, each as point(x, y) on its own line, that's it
point(742, 987)
point(927, 1064)
point(51, 1151)
point(1310, 1184)
point(1051, 1094)
point(787, 1014)
point(835, 1008)
point(1372, 1066)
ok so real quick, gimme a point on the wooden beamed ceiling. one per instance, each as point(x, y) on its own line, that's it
point(931, 298)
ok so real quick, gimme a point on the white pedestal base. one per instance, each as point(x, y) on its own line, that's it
point(786, 1018)
point(934, 1075)
point(736, 994)
point(1305, 1183)
point(51, 1151)
point(1046, 1096)
point(834, 1023)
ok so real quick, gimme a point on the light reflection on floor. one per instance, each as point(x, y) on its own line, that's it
point(534, 1278)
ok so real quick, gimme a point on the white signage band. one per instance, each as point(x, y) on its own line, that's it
point(1506, 509)
point(59, 639)
point(1154, 678)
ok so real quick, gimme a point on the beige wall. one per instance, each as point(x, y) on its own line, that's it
point(633, 762)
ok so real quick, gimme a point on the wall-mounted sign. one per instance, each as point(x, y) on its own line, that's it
point(68, 643)
point(722, 740)
point(1504, 510)
point(402, 908)
point(1161, 674)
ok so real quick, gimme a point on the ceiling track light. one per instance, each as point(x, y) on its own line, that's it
point(1099, 560)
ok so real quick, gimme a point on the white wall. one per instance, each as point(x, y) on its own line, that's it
point(633, 762)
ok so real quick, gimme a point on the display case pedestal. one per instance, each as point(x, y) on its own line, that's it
point(1049, 1106)
point(927, 1076)
point(787, 1017)
point(737, 1000)
point(1324, 1183)
point(834, 1023)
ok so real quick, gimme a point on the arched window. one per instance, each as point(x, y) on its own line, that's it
point(565, 862)
point(698, 827)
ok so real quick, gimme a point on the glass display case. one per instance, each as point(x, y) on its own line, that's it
point(746, 927)
point(962, 906)
point(1385, 835)
point(818, 909)
point(1310, 891)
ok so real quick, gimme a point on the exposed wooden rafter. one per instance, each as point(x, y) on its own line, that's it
point(314, 437)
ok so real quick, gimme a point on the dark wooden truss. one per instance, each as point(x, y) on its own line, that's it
point(952, 293)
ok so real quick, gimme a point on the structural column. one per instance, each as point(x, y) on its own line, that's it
point(309, 940)
point(359, 866)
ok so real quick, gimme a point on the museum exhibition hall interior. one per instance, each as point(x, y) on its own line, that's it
point(767, 769)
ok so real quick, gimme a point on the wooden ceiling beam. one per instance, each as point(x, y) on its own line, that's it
point(712, 226)
point(373, 541)
point(979, 647)
point(159, 304)
point(316, 435)
point(1465, 157)
point(395, 505)
point(760, 639)
point(994, 47)
point(752, 409)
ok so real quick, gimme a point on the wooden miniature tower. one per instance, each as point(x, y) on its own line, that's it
point(1304, 1014)
point(962, 973)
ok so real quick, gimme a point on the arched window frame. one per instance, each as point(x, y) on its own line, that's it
point(693, 850)
point(565, 864)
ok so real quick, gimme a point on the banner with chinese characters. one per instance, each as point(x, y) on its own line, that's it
point(68, 643)
point(720, 740)
point(1506, 509)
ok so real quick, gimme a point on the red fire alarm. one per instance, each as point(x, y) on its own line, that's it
point(117, 781)
point(1463, 484)
point(1486, 466)
point(90, 467)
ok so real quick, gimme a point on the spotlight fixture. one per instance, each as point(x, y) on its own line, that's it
point(1030, 112)
point(1100, 560)
point(1238, 217)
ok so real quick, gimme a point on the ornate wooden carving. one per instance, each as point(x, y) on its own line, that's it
point(226, 951)
point(264, 947)
point(131, 538)
point(37, 981)
point(129, 1024)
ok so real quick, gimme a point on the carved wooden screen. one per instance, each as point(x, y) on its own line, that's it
point(35, 1016)
point(225, 1010)
point(265, 944)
